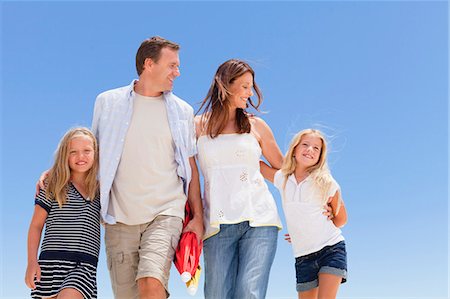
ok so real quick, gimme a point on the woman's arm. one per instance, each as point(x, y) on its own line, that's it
point(198, 125)
point(34, 238)
point(269, 146)
point(267, 171)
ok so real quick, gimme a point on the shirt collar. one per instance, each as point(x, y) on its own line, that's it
point(130, 92)
point(294, 180)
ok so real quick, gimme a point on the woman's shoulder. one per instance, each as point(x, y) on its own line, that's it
point(256, 120)
point(259, 124)
point(260, 128)
point(199, 121)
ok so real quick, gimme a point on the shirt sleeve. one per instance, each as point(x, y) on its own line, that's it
point(191, 142)
point(333, 188)
point(42, 201)
point(278, 179)
point(96, 115)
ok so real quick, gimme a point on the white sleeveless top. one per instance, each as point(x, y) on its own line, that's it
point(234, 188)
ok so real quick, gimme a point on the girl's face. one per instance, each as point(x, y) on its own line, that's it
point(81, 154)
point(307, 152)
point(241, 89)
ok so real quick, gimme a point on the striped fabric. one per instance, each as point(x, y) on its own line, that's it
point(73, 228)
point(58, 274)
point(71, 245)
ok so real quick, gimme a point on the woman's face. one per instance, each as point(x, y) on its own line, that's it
point(241, 89)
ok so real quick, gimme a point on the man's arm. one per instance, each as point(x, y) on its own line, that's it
point(195, 202)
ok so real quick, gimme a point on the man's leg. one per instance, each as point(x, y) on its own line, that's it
point(122, 245)
point(157, 249)
point(151, 288)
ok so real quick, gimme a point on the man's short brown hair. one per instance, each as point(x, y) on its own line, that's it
point(151, 48)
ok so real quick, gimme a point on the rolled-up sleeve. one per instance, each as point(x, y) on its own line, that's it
point(191, 140)
point(96, 115)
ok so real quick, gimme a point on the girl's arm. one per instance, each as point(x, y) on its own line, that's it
point(339, 216)
point(267, 171)
point(34, 238)
point(269, 146)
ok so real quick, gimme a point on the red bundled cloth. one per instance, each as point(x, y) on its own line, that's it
point(187, 256)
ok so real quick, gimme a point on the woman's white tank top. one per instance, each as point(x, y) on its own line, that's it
point(234, 188)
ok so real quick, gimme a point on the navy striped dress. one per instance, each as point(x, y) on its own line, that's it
point(69, 251)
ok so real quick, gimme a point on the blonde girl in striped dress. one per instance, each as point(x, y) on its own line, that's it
point(69, 208)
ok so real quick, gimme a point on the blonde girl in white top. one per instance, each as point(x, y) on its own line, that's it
point(307, 187)
point(240, 217)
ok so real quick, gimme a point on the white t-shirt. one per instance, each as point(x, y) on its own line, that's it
point(309, 229)
point(146, 183)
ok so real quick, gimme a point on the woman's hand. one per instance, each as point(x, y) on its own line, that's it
point(287, 237)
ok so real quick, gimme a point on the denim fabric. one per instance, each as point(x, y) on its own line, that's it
point(238, 261)
point(112, 115)
point(330, 259)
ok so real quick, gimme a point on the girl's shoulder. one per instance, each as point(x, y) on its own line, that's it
point(278, 179)
point(329, 183)
point(332, 180)
point(42, 200)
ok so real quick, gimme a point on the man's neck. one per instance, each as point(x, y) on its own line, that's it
point(144, 88)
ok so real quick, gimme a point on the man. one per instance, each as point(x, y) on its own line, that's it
point(147, 145)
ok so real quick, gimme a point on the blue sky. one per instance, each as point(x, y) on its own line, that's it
point(372, 75)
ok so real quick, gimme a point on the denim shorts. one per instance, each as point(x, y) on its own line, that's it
point(330, 259)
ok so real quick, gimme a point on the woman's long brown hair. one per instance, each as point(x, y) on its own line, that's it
point(216, 103)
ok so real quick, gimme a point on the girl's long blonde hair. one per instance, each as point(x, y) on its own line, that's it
point(58, 178)
point(319, 172)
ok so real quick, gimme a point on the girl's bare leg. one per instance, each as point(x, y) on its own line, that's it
point(311, 294)
point(328, 285)
point(69, 293)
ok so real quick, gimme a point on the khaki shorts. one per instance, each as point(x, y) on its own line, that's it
point(137, 251)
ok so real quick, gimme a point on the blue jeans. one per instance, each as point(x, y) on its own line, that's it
point(330, 259)
point(238, 260)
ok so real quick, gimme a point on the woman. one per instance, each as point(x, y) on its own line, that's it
point(241, 219)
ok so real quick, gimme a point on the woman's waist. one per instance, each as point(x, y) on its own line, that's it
point(227, 166)
point(233, 209)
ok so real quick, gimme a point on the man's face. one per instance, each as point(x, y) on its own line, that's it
point(164, 72)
